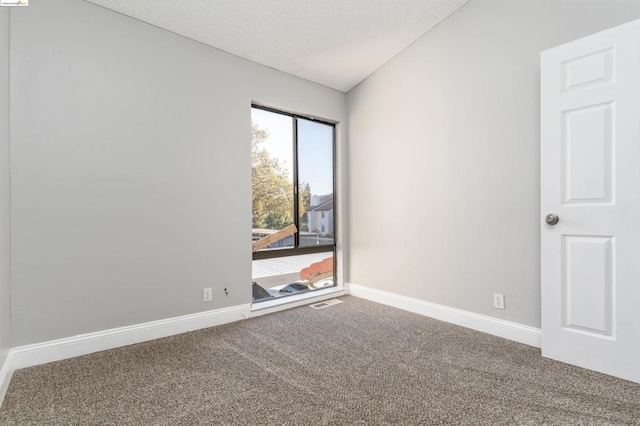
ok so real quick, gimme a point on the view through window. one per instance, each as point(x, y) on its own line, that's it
point(293, 226)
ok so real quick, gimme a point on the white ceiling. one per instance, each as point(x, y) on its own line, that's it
point(337, 43)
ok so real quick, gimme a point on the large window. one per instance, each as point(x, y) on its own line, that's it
point(292, 165)
point(293, 182)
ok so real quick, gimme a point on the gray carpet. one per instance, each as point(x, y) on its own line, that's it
point(353, 363)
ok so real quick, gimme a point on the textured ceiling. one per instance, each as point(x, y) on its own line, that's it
point(337, 43)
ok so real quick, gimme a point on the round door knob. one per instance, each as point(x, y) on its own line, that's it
point(552, 219)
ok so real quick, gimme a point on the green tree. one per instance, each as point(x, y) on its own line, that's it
point(304, 198)
point(272, 191)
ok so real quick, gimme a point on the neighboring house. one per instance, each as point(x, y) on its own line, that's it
point(320, 215)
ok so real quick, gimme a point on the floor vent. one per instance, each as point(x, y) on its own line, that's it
point(325, 304)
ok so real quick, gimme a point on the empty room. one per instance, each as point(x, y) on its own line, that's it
point(259, 212)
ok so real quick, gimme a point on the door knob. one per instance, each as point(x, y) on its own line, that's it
point(552, 219)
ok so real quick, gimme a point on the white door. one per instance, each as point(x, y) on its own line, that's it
point(590, 161)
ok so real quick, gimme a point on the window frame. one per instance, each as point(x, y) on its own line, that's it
point(296, 250)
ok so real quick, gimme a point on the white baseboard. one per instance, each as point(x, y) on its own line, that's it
point(83, 344)
point(55, 350)
point(5, 375)
point(509, 330)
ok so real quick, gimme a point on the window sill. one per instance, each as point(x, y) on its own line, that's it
point(269, 306)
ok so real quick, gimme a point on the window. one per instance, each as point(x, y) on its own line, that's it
point(292, 182)
point(292, 171)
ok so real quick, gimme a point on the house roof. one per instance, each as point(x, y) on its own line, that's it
point(325, 205)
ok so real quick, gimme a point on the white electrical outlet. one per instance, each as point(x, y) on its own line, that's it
point(498, 301)
point(208, 295)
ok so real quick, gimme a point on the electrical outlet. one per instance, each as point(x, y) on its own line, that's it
point(208, 295)
point(498, 301)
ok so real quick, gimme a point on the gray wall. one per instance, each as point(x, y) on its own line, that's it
point(5, 289)
point(131, 187)
point(444, 156)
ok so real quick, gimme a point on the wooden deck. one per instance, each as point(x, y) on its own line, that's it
point(283, 270)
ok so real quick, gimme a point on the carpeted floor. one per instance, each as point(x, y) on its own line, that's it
point(357, 362)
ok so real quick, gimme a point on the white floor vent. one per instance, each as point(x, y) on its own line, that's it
point(325, 304)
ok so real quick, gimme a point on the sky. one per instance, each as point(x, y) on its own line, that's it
point(315, 146)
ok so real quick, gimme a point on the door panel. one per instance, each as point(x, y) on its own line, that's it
point(591, 69)
point(587, 151)
point(587, 284)
point(590, 178)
